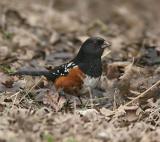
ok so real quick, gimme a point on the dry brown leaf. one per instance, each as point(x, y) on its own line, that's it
point(106, 112)
point(89, 114)
point(131, 116)
point(127, 72)
point(120, 112)
point(25, 38)
point(131, 113)
point(4, 52)
point(2, 106)
point(29, 54)
point(54, 100)
point(8, 83)
point(114, 71)
point(130, 108)
point(82, 38)
point(54, 37)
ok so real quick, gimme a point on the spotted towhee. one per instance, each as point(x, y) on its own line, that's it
point(81, 72)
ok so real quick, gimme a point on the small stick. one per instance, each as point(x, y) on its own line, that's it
point(143, 94)
point(31, 89)
point(105, 54)
point(14, 101)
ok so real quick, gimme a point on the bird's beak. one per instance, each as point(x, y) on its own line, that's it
point(106, 44)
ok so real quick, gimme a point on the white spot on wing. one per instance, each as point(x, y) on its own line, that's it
point(75, 66)
point(68, 65)
point(64, 69)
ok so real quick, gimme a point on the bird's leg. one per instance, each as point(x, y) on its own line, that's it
point(63, 94)
point(79, 97)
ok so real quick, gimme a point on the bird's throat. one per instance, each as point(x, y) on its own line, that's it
point(91, 68)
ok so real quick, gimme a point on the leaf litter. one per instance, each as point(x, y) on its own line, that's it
point(43, 34)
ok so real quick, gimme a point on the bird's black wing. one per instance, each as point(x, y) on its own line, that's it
point(62, 70)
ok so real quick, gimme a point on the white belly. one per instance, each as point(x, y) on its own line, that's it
point(90, 82)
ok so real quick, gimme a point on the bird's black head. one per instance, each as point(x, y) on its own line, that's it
point(92, 48)
point(89, 56)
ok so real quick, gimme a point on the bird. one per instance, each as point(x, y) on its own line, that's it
point(83, 71)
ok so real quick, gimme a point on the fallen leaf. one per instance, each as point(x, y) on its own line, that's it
point(131, 113)
point(114, 71)
point(8, 83)
point(120, 112)
point(2, 107)
point(4, 52)
point(54, 100)
point(131, 116)
point(88, 114)
point(106, 112)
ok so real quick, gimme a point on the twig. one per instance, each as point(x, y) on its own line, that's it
point(13, 95)
point(16, 94)
point(31, 89)
point(142, 94)
point(105, 54)
point(101, 98)
point(134, 92)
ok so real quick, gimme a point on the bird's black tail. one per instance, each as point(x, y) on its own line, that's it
point(46, 73)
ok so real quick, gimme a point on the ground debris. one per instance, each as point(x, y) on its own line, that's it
point(43, 34)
